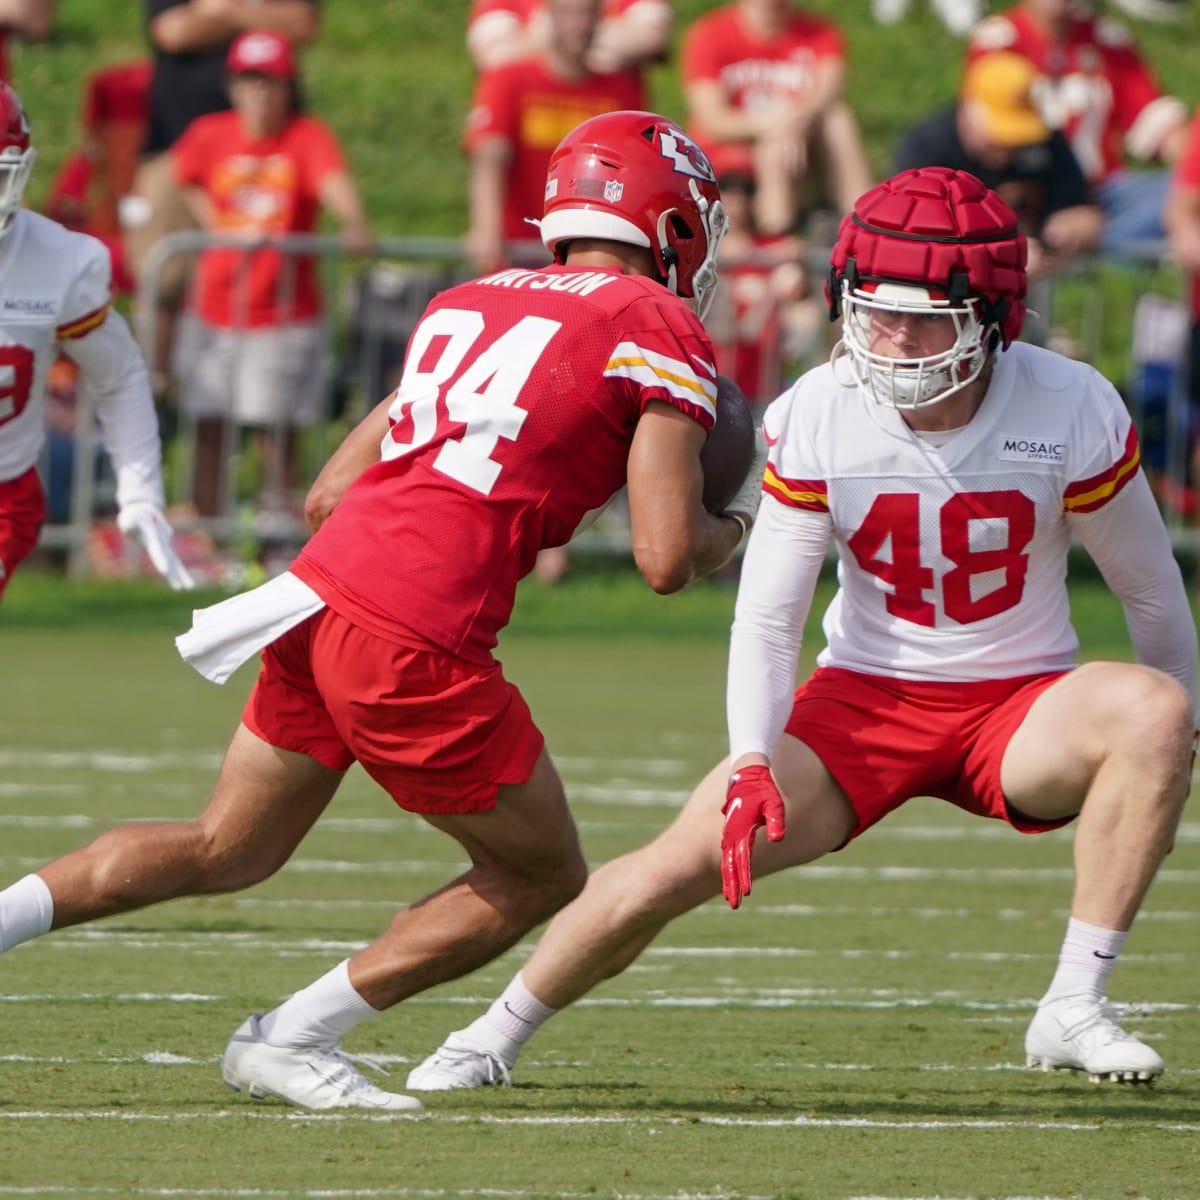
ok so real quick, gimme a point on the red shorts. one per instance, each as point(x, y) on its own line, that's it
point(22, 513)
point(438, 734)
point(888, 740)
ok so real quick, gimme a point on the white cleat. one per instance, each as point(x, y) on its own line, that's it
point(1082, 1034)
point(317, 1077)
point(459, 1063)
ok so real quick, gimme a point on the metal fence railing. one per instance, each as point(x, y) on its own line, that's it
point(1127, 320)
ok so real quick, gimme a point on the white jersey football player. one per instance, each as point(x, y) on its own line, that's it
point(55, 295)
point(950, 466)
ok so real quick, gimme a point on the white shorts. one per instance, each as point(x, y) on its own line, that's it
point(272, 376)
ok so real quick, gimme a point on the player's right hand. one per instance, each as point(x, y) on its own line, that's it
point(144, 521)
point(752, 801)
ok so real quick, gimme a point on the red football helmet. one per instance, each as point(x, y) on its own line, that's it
point(16, 155)
point(928, 241)
point(636, 177)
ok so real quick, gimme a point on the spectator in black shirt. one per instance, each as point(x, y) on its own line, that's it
point(995, 132)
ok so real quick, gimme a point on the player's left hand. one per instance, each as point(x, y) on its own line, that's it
point(747, 498)
point(145, 521)
point(751, 802)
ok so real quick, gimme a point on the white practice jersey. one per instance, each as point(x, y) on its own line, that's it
point(54, 286)
point(55, 295)
point(952, 551)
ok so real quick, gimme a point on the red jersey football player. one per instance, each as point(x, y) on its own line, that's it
point(528, 398)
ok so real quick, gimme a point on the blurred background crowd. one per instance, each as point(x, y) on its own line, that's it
point(222, 189)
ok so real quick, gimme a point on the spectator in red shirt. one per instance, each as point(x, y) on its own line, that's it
point(519, 113)
point(765, 316)
point(189, 40)
point(90, 185)
point(763, 81)
point(1094, 85)
point(630, 35)
point(259, 171)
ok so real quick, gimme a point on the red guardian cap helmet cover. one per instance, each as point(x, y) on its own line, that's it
point(927, 241)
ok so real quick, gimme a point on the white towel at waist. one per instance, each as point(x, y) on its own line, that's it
point(225, 635)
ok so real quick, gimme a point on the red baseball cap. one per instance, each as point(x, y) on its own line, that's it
point(262, 53)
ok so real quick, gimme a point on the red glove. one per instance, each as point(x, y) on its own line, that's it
point(752, 800)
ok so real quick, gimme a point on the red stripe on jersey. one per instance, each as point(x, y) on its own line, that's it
point(82, 326)
point(1090, 494)
point(797, 493)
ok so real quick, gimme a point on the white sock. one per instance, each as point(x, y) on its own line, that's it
point(514, 1017)
point(26, 911)
point(1085, 961)
point(320, 1014)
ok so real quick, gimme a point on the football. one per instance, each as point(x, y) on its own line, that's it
point(729, 450)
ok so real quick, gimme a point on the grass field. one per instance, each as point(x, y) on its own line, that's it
point(854, 1031)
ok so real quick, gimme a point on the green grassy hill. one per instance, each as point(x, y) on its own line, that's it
point(392, 77)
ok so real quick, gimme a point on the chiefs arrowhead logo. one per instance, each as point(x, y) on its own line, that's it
point(685, 156)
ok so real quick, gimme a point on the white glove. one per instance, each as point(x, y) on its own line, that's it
point(748, 497)
point(143, 520)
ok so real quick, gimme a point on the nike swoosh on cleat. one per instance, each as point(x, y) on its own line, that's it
point(1097, 954)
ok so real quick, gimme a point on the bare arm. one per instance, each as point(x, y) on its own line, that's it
point(207, 24)
point(1182, 219)
point(32, 19)
point(338, 194)
point(674, 540)
point(1073, 230)
point(709, 105)
point(502, 37)
point(488, 176)
point(199, 204)
point(358, 451)
point(639, 35)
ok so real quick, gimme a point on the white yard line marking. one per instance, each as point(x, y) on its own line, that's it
point(813, 871)
point(735, 998)
point(225, 941)
point(1102, 1123)
point(400, 1193)
point(167, 1058)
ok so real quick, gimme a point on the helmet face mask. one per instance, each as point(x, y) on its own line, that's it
point(927, 243)
point(910, 382)
point(16, 155)
point(637, 178)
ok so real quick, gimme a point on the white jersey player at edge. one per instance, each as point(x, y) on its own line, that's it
point(55, 294)
point(950, 466)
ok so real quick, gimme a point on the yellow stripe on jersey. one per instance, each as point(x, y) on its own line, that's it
point(798, 493)
point(1091, 494)
point(630, 361)
point(82, 326)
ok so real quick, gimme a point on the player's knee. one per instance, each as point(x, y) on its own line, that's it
point(1158, 718)
point(227, 862)
point(535, 897)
